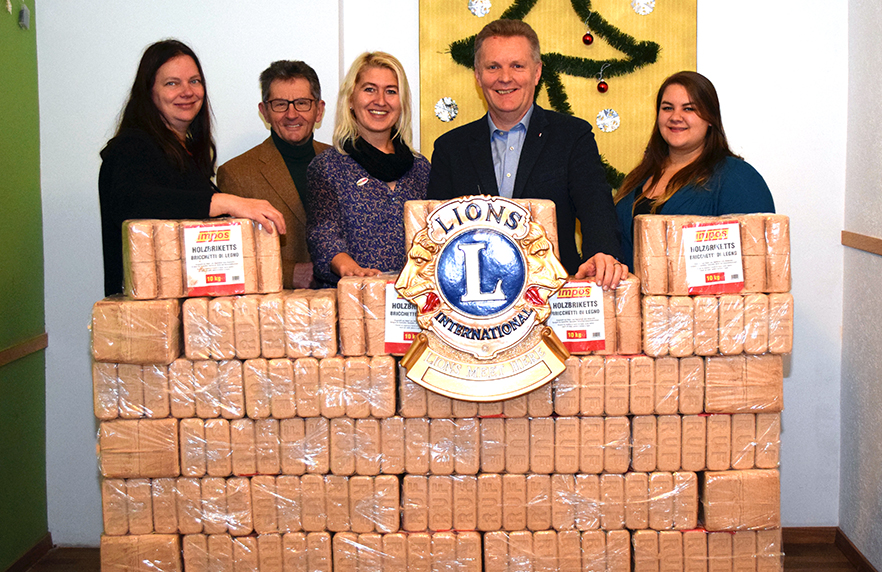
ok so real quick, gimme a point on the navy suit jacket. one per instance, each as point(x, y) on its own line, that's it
point(559, 161)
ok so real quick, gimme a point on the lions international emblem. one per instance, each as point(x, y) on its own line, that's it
point(480, 275)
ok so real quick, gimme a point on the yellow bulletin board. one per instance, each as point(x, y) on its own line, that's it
point(641, 50)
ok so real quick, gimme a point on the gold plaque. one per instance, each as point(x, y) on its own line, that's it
point(480, 274)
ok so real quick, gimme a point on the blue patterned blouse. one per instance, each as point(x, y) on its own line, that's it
point(350, 211)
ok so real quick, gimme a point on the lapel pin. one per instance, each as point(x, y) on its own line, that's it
point(361, 182)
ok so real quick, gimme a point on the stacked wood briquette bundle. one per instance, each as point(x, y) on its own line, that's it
point(154, 264)
point(272, 432)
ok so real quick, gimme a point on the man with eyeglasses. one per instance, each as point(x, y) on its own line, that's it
point(275, 170)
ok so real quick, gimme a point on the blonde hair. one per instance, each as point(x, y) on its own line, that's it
point(346, 128)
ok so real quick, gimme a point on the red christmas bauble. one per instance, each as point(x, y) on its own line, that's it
point(587, 39)
point(602, 86)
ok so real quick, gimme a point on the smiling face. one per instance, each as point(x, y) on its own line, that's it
point(178, 92)
point(508, 75)
point(292, 126)
point(679, 123)
point(376, 104)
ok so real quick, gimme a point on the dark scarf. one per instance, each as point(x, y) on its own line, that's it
point(378, 164)
point(297, 158)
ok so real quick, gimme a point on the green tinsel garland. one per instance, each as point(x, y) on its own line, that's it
point(556, 93)
point(614, 177)
point(639, 54)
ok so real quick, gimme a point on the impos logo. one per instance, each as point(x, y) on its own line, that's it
point(711, 234)
point(213, 235)
point(574, 292)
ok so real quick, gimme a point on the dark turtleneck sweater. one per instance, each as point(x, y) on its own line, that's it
point(297, 158)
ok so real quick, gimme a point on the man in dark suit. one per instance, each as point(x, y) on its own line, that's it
point(520, 150)
point(275, 170)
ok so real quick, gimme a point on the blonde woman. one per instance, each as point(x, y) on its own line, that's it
point(358, 189)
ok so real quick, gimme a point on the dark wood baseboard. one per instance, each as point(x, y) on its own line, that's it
point(852, 553)
point(39, 550)
point(828, 535)
point(809, 535)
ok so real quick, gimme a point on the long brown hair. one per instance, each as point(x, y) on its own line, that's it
point(141, 113)
point(707, 105)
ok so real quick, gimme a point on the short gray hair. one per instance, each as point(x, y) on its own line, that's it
point(289, 69)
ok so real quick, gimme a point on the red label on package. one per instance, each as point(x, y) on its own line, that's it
point(401, 322)
point(712, 252)
point(577, 316)
point(214, 258)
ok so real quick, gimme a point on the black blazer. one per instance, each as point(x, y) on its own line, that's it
point(137, 180)
point(559, 161)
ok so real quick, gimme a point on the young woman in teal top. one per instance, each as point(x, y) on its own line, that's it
point(687, 167)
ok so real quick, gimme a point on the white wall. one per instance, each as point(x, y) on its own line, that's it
point(860, 513)
point(775, 104)
point(781, 73)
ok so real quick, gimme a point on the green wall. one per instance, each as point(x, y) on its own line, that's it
point(23, 520)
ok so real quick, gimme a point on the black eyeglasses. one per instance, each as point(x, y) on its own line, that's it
point(281, 105)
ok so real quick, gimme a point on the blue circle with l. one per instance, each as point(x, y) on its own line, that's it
point(481, 272)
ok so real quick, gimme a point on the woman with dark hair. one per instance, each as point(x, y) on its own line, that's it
point(687, 167)
point(355, 222)
point(160, 163)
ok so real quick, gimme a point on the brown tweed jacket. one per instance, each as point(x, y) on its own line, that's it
point(260, 173)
